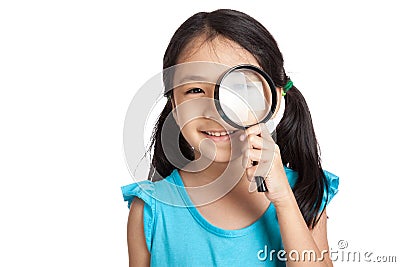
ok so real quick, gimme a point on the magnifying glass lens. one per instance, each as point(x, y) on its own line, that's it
point(245, 97)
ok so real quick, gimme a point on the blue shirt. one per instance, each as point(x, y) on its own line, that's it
point(178, 235)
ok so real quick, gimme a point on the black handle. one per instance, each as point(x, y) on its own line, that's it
point(261, 186)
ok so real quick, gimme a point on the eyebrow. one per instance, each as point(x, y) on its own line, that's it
point(193, 78)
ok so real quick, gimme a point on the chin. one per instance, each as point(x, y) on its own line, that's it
point(219, 152)
point(221, 157)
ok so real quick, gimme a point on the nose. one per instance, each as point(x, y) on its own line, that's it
point(209, 109)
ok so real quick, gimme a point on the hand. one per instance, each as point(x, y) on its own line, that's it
point(262, 148)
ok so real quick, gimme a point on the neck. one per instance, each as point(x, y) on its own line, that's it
point(216, 180)
point(205, 171)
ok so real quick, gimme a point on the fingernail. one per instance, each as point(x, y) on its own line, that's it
point(242, 137)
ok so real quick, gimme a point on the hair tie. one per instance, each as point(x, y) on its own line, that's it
point(287, 87)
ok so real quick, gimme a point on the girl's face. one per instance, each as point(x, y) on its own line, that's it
point(194, 109)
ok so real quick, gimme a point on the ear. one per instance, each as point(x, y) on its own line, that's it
point(279, 98)
point(174, 109)
point(279, 91)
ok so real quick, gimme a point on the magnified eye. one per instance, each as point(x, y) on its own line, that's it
point(238, 86)
point(194, 91)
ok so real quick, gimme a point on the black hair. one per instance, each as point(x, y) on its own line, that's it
point(295, 133)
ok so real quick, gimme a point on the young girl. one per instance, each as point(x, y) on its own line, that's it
point(176, 218)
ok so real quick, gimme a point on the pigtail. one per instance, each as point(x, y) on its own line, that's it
point(300, 151)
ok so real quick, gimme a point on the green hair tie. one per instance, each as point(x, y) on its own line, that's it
point(287, 87)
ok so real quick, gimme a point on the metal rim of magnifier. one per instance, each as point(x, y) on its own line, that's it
point(271, 87)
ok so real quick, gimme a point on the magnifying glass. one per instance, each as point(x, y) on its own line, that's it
point(245, 96)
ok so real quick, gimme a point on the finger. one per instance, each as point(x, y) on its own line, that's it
point(257, 170)
point(255, 129)
point(250, 172)
point(253, 154)
point(247, 162)
point(252, 186)
point(259, 129)
point(255, 141)
point(254, 171)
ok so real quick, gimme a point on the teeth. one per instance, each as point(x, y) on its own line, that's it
point(219, 133)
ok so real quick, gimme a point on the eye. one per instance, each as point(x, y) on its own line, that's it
point(195, 90)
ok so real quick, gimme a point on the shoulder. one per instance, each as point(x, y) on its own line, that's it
point(136, 209)
point(142, 189)
point(332, 186)
point(165, 191)
point(142, 206)
point(146, 200)
point(331, 183)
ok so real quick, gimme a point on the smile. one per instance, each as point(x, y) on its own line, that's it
point(219, 136)
point(218, 133)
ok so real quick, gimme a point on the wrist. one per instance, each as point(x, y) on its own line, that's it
point(285, 200)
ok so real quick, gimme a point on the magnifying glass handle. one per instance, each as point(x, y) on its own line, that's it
point(261, 186)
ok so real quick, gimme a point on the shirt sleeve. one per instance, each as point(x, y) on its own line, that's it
point(143, 190)
point(333, 188)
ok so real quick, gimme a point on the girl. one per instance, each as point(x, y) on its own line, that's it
point(176, 218)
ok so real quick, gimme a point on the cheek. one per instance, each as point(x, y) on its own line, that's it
point(191, 109)
point(190, 133)
point(237, 146)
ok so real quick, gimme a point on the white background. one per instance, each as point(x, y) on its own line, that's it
point(69, 69)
